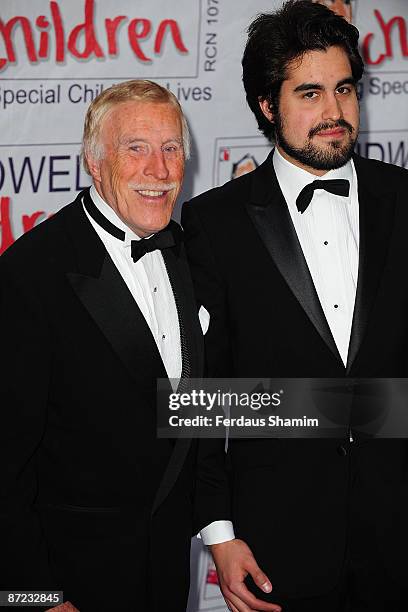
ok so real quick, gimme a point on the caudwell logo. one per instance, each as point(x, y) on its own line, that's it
point(131, 38)
point(35, 181)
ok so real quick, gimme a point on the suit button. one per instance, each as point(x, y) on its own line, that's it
point(341, 451)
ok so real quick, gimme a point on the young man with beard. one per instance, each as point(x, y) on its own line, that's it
point(301, 267)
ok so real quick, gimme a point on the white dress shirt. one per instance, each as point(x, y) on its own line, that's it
point(148, 282)
point(328, 232)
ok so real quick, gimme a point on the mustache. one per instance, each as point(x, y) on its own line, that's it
point(329, 126)
point(152, 186)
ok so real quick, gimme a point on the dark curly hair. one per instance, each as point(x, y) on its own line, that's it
point(276, 39)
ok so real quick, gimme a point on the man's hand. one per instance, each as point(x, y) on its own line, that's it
point(234, 561)
point(65, 607)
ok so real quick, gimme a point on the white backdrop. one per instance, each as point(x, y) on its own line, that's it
point(56, 55)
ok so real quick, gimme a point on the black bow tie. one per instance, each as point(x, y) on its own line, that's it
point(340, 187)
point(164, 239)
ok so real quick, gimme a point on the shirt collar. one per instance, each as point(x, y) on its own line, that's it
point(108, 212)
point(293, 179)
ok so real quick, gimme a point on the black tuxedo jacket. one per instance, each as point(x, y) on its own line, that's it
point(303, 506)
point(91, 502)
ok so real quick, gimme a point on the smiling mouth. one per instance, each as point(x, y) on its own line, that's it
point(151, 194)
point(152, 191)
point(336, 129)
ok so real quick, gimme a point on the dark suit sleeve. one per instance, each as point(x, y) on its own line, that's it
point(212, 502)
point(25, 376)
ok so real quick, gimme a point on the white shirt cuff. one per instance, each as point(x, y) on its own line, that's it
point(217, 532)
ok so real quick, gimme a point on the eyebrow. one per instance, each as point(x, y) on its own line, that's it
point(131, 139)
point(307, 86)
point(177, 139)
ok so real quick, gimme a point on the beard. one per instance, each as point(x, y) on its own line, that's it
point(335, 155)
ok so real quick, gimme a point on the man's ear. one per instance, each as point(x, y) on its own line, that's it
point(265, 108)
point(94, 166)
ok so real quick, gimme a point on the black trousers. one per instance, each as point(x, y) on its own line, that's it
point(359, 593)
point(365, 586)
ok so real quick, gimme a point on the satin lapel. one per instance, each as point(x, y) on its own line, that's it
point(111, 305)
point(105, 295)
point(376, 217)
point(180, 280)
point(270, 215)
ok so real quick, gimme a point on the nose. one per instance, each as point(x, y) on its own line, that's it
point(156, 166)
point(332, 108)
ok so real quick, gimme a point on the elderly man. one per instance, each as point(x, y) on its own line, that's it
point(98, 305)
point(301, 265)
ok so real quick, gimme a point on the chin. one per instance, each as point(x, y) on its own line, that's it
point(153, 228)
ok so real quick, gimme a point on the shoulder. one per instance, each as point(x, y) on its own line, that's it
point(230, 195)
point(375, 172)
point(224, 206)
